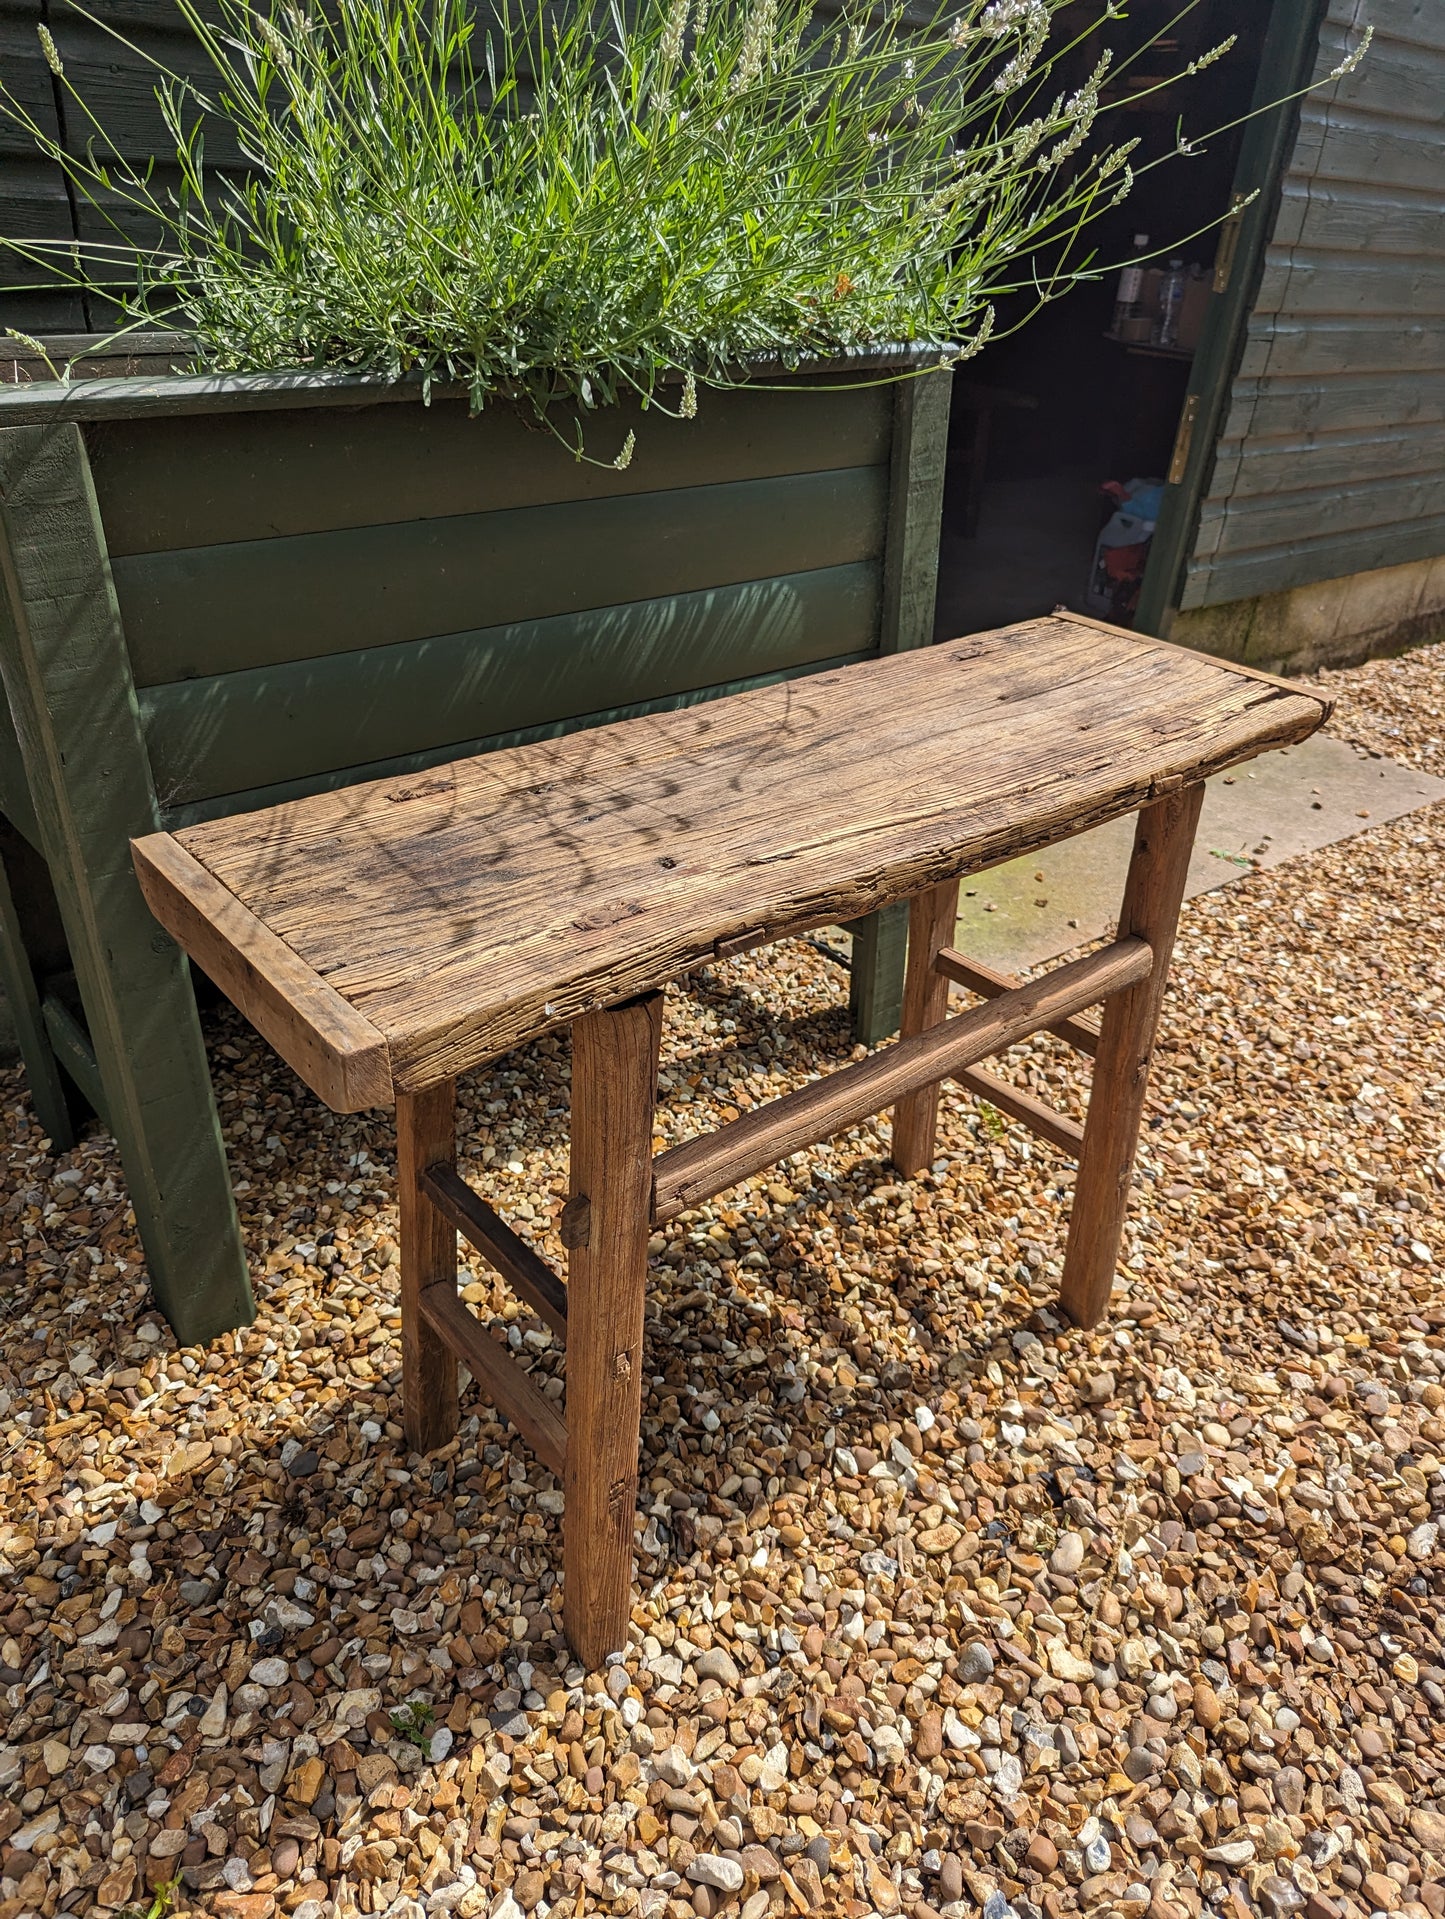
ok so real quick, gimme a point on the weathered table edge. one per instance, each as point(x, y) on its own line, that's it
point(351, 1065)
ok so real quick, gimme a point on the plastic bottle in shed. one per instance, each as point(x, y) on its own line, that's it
point(1171, 298)
point(1131, 282)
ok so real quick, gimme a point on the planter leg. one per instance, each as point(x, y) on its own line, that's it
point(1153, 894)
point(614, 1088)
point(68, 680)
point(18, 967)
point(152, 1061)
point(875, 994)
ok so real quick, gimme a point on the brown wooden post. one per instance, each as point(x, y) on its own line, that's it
point(425, 1136)
point(1163, 839)
point(614, 1090)
point(932, 917)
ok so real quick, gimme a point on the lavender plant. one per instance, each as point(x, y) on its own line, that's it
point(580, 202)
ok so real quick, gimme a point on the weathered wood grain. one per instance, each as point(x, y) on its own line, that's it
point(614, 1087)
point(1331, 513)
point(1081, 1034)
point(1273, 468)
point(1274, 569)
point(687, 1175)
point(1357, 402)
point(179, 396)
point(33, 201)
point(526, 1272)
point(15, 801)
point(931, 921)
point(179, 814)
point(426, 1135)
point(470, 907)
point(338, 1053)
point(1365, 285)
point(500, 1378)
point(1345, 342)
point(875, 972)
point(1055, 1127)
point(1158, 869)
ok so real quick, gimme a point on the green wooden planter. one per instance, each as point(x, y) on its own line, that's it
point(223, 592)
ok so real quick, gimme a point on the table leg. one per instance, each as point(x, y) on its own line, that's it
point(1153, 894)
point(425, 1135)
point(932, 917)
point(614, 1091)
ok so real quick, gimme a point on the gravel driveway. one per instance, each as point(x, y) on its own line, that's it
point(943, 1605)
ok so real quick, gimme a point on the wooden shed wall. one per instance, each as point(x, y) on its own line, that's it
point(33, 200)
point(116, 77)
point(1332, 457)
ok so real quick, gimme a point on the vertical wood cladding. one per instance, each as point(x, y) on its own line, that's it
point(1332, 456)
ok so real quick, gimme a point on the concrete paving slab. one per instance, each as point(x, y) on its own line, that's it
point(1279, 806)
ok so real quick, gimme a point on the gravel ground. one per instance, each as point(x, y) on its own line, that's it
point(1395, 708)
point(942, 1606)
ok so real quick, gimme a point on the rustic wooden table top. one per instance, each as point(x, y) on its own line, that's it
point(402, 931)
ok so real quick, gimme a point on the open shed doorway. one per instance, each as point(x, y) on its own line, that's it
point(1044, 421)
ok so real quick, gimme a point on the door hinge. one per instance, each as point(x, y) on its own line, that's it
point(1229, 232)
point(1183, 440)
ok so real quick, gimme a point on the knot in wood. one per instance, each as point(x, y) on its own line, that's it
point(576, 1222)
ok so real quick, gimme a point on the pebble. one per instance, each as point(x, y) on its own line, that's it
point(672, 1766)
point(1290, 1786)
point(1068, 1554)
point(1235, 1852)
point(1208, 1706)
point(1139, 1617)
point(710, 1869)
point(716, 1663)
point(975, 1663)
point(1279, 1897)
point(1041, 1854)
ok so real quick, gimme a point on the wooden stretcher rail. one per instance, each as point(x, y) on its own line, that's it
point(1057, 1128)
point(501, 1379)
point(524, 1271)
point(687, 1175)
point(1081, 1034)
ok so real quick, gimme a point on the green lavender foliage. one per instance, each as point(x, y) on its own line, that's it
point(578, 201)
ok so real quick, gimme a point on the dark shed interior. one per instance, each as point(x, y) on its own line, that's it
point(1045, 418)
